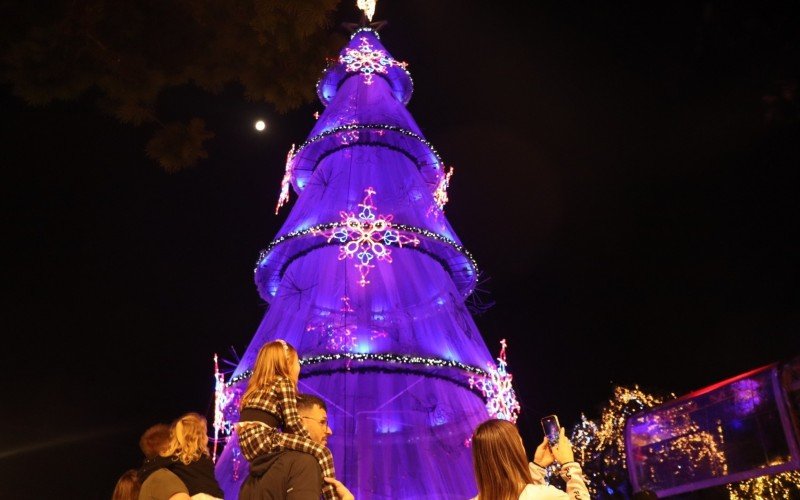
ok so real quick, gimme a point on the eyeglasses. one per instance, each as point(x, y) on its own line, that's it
point(323, 422)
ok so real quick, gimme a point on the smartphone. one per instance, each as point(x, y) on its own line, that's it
point(552, 429)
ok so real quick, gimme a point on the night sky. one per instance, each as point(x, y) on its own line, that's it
point(626, 177)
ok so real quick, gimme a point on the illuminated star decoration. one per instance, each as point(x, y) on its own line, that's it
point(368, 61)
point(367, 6)
point(286, 181)
point(501, 401)
point(367, 236)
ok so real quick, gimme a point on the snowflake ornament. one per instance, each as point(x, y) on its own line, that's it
point(222, 397)
point(367, 236)
point(501, 401)
point(368, 61)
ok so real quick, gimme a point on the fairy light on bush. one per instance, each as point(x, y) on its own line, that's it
point(785, 485)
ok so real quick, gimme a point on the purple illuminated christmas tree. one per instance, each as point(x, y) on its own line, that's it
point(368, 280)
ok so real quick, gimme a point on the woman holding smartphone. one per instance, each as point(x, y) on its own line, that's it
point(503, 473)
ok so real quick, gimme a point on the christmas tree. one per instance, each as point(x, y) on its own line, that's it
point(368, 281)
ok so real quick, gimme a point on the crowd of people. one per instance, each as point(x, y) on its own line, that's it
point(284, 435)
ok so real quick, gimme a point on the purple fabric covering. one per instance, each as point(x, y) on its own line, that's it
point(400, 429)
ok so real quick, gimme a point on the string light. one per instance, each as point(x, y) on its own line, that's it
point(372, 126)
point(401, 359)
point(367, 236)
point(501, 401)
point(601, 448)
point(785, 485)
point(364, 29)
point(321, 228)
point(368, 60)
point(286, 181)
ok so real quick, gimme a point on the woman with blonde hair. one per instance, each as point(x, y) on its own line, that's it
point(268, 419)
point(187, 456)
point(502, 470)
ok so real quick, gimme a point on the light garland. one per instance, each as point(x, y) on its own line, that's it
point(501, 401)
point(624, 403)
point(371, 126)
point(367, 236)
point(286, 181)
point(403, 359)
point(368, 61)
point(362, 29)
point(320, 228)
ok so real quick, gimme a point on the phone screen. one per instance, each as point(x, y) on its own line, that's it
point(551, 429)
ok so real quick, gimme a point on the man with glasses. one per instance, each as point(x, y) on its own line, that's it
point(289, 474)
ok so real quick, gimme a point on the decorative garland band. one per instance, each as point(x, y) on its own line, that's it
point(402, 227)
point(388, 358)
point(373, 126)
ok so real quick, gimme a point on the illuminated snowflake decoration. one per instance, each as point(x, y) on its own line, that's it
point(368, 61)
point(501, 401)
point(222, 398)
point(367, 237)
point(286, 181)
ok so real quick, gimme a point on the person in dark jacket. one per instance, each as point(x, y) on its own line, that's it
point(187, 456)
point(294, 475)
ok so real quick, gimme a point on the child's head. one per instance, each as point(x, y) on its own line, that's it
point(275, 359)
point(188, 438)
point(154, 440)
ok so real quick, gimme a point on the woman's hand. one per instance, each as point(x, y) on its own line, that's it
point(543, 457)
point(341, 490)
point(562, 451)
